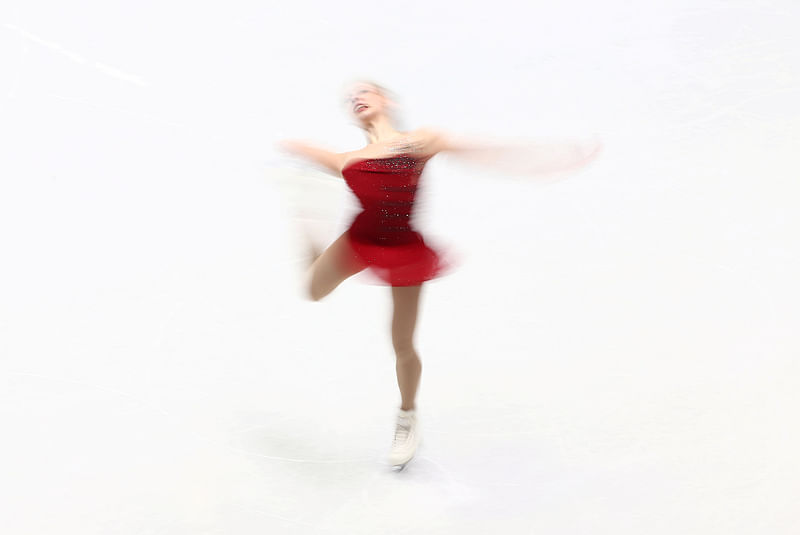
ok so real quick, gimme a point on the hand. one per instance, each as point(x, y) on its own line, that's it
point(591, 149)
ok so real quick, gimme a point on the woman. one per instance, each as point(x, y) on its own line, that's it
point(384, 176)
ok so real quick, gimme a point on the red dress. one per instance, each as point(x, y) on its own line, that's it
point(381, 236)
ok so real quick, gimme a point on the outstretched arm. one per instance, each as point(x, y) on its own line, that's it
point(330, 161)
point(527, 158)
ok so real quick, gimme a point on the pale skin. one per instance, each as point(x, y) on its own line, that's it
point(335, 264)
point(371, 108)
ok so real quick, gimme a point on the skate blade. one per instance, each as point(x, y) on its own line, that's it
point(401, 466)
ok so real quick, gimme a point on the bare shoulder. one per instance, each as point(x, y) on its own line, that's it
point(345, 158)
point(438, 140)
point(426, 134)
point(430, 140)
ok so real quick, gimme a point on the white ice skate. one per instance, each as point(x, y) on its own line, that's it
point(406, 439)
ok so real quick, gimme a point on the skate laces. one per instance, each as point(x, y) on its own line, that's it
point(402, 430)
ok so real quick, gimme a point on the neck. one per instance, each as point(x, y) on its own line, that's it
point(380, 129)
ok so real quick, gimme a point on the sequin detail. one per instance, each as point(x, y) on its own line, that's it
point(382, 235)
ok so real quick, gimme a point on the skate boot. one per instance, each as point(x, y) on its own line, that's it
point(406, 439)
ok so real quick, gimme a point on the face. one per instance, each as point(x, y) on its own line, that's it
point(365, 101)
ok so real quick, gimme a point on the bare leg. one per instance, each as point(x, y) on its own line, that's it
point(312, 248)
point(332, 267)
point(404, 321)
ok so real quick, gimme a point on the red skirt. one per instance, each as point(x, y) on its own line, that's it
point(402, 259)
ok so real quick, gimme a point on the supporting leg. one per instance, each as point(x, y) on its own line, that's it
point(404, 320)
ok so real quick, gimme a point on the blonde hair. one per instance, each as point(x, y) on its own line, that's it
point(385, 92)
point(382, 90)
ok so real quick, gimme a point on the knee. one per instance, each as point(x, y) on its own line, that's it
point(315, 293)
point(404, 348)
point(315, 289)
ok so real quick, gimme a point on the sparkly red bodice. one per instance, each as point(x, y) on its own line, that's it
point(381, 236)
point(386, 189)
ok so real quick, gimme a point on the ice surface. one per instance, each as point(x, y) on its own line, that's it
point(617, 352)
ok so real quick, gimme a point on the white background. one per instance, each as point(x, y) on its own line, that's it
point(616, 352)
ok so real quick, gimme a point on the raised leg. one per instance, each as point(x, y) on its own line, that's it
point(332, 267)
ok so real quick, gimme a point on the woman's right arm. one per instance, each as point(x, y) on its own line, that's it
point(331, 162)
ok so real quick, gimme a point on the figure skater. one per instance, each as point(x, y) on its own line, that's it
point(384, 176)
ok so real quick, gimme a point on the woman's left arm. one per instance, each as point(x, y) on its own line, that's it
point(529, 158)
